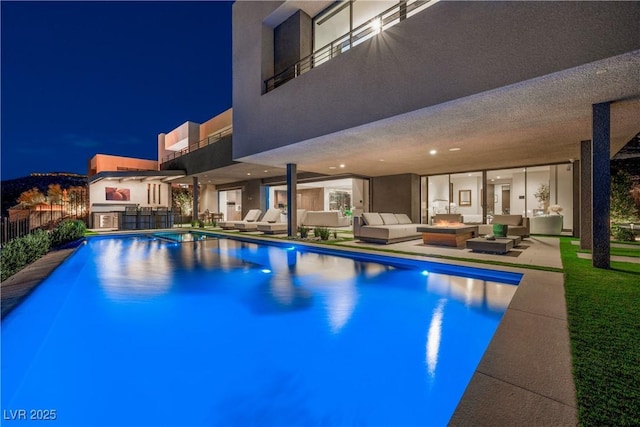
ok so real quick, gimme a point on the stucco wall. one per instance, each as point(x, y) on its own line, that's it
point(212, 156)
point(451, 50)
point(396, 194)
point(138, 193)
point(216, 124)
point(109, 163)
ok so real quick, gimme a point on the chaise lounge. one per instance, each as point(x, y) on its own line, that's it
point(281, 227)
point(384, 228)
point(271, 216)
point(251, 216)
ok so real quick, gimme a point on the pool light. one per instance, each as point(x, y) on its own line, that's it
point(266, 270)
point(425, 273)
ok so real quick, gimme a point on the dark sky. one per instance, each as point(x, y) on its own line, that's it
point(81, 78)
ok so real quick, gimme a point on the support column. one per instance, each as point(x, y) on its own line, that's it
point(601, 184)
point(484, 197)
point(585, 195)
point(194, 216)
point(575, 166)
point(292, 201)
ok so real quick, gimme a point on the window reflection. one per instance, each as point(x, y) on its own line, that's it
point(143, 269)
point(433, 337)
point(473, 292)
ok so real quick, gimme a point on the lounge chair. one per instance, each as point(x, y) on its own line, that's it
point(281, 227)
point(251, 216)
point(270, 217)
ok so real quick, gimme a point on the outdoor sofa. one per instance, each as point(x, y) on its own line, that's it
point(384, 228)
point(326, 219)
point(518, 225)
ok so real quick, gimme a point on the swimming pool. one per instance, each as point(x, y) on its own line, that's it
point(146, 331)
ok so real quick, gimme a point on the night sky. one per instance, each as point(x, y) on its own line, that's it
point(81, 78)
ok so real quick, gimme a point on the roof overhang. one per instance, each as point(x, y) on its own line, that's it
point(534, 122)
point(124, 176)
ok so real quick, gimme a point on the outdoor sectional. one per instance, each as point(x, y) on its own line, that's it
point(384, 228)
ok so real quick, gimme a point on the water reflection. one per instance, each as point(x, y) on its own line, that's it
point(475, 293)
point(433, 337)
point(133, 267)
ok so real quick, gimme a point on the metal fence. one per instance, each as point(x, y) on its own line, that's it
point(24, 223)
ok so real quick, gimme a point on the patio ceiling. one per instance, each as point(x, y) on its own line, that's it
point(539, 121)
point(233, 173)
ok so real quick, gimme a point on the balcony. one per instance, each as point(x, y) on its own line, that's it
point(358, 35)
point(211, 139)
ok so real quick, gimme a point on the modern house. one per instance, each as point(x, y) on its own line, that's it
point(420, 107)
point(442, 105)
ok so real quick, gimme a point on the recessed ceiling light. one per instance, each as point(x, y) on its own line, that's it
point(492, 179)
point(248, 173)
point(454, 149)
point(382, 160)
point(342, 165)
point(498, 176)
point(332, 167)
point(432, 152)
point(266, 170)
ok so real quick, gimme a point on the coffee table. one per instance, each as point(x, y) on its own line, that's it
point(498, 246)
point(451, 235)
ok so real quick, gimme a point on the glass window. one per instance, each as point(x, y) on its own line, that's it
point(438, 191)
point(364, 12)
point(344, 195)
point(467, 195)
point(538, 190)
point(506, 192)
point(329, 27)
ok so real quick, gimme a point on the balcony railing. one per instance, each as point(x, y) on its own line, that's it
point(369, 29)
point(212, 139)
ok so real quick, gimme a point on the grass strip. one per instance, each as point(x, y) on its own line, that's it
point(630, 252)
point(603, 308)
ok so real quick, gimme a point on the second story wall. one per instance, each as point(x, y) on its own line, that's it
point(108, 163)
point(448, 51)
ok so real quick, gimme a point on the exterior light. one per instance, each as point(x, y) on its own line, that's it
point(342, 165)
point(432, 152)
point(376, 25)
point(248, 173)
point(332, 167)
point(454, 149)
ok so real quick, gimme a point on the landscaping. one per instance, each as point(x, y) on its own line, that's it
point(22, 251)
point(603, 308)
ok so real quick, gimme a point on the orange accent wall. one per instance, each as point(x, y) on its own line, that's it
point(216, 124)
point(108, 163)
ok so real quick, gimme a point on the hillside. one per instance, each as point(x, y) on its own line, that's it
point(12, 188)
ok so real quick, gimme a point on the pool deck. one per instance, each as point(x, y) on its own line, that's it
point(525, 376)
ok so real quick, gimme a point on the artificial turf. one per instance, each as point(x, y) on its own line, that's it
point(603, 308)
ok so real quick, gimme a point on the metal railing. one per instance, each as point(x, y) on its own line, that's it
point(372, 27)
point(200, 144)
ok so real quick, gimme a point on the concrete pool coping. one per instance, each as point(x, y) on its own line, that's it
point(525, 376)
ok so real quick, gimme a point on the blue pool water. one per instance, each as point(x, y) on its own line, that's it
point(146, 331)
